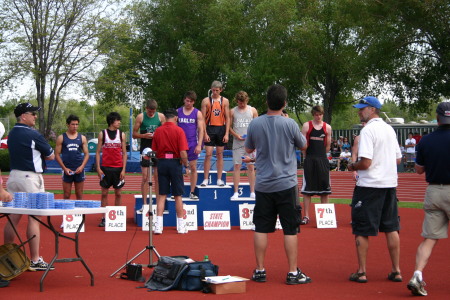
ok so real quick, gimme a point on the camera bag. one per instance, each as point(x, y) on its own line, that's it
point(193, 277)
point(166, 274)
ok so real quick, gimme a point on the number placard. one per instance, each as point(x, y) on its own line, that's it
point(325, 215)
point(246, 216)
point(116, 218)
point(190, 216)
point(72, 222)
point(145, 219)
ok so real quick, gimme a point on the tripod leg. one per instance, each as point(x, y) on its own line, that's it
point(123, 266)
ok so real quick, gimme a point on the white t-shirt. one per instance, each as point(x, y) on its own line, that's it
point(378, 142)
point(345, 154)
point(411, 141)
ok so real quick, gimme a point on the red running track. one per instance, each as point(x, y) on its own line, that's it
point(411, 186)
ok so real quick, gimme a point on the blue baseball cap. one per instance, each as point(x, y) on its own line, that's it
point(368, 101)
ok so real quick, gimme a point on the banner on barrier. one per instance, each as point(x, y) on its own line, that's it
point(325, 215)
point(116, 218)
point(216, 220)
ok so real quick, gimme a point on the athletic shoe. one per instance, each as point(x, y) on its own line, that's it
point(235, 196)
point(259, 276)
point(4, 283)
point(193, 196)
point(300, 278)
point(182, 228)
point(252, 196)
point(220, 182)
point(416, 286)
point(102, 223)
point(158, 229)
point(204, 183)
point(40, 265)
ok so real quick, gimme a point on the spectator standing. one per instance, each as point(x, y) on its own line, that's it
point(433, 160)
point(144, 127)
point(111, 171)
point(28, 151)
point(275, 139)
point(410, 146)
point(69, 150)
point(374, 203)
point(171, 148)
point(216, 110)
point(241, 116)
point(316, 177)
point(191, 121)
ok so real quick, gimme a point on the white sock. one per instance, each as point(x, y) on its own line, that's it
point(418, 274)
point(294, 273)
point(180, 221)
point(160, 221)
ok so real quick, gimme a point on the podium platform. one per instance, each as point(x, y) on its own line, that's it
point(211, 198)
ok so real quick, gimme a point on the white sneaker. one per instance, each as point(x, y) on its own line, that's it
point(235, 196)
point(158, 229)
point(182, 228)
point(204, 183)
point(193, 196)
point(416, 286)
point(220, 182)
point(252, 196)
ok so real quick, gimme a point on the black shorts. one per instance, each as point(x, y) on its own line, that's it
point(170, 175)
point(80, 177)
point(283, 203)
point(111, 178)
point(216, 134)
point(374, 210)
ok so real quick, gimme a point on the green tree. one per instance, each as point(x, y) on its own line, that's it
point(56, 42)
point(414, 36)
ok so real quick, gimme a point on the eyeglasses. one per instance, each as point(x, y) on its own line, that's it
point(33, 113)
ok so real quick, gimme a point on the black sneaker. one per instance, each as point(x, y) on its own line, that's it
point(102, 223)
point(4, 283)
point(40, 265)
point(259, 276)
point(300, 278)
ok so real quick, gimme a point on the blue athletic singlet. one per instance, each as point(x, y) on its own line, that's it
point(72, 151)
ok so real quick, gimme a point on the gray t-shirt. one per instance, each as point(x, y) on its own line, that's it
point(275, 139)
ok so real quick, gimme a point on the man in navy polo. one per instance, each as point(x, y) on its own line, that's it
point(433, 160)
point(27, 151)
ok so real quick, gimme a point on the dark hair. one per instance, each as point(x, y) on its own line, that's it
point(71, 118)
point(191, 95)
point(170, 113)
point(113, 116)
point(276, 97)
point(151, 104)
point(317, 109)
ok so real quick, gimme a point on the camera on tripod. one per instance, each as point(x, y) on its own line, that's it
point(148, 157)
point(148, 152)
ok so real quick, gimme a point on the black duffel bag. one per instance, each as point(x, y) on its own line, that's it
point(192, 278)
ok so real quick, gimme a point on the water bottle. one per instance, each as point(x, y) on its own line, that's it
point(206, 258)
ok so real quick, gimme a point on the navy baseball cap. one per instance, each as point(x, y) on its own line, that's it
point(443, 111)
point(368, 101)
point(24, 108)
